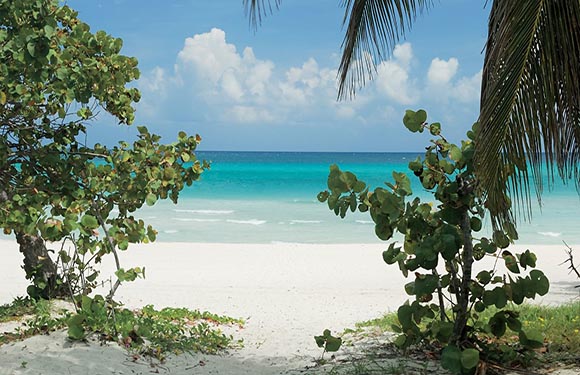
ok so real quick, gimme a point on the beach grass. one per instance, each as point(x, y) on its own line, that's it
point(560, 325)
point(146, 331)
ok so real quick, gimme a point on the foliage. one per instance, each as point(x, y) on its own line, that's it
point(147, 332)
point(38, 317)
point(19, 307)
point(559, 324)
point(328, 342)
point(439, 250)
point(56, 77)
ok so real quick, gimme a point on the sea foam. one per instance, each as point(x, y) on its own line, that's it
point(550, 234)
point(206, 212)
point(305, 221)
point(252, 222)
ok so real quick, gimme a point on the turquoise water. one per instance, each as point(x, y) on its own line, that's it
point(269, 197)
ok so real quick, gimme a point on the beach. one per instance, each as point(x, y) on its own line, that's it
point(287, 293)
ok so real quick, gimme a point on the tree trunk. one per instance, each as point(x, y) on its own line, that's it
point(459, 332)
point(39, 267)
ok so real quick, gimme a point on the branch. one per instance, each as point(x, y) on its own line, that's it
point(113, 250)
point(570, 260)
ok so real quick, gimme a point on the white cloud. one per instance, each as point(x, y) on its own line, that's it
point(239, 87)
point(403, 53)
point(231, 86)
point(155, 81)
point(442, 72)
point(468, 89)
point(220, 71)
point(248, 114)
point(392, 77)
point(210, 55)
point(304, 83)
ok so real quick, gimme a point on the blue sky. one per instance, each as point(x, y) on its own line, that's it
point(203, 70)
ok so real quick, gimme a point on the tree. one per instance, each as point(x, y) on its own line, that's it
point(440, 249)
point(56, 76)
point(530, 94)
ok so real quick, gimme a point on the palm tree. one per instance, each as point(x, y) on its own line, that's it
point(530, 92)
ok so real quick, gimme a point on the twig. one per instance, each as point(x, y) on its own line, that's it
point(113, 250)
point(570, 260)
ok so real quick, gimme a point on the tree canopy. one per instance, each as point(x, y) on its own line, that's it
point(56, 76)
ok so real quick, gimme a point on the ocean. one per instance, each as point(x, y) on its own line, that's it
point(270, 197)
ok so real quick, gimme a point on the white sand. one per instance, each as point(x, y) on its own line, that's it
point(287, 292)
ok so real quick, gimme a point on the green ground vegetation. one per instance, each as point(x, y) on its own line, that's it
point(559, 324)
point(145, 332)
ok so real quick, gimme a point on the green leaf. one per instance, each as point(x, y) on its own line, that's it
point(416, 165)
point(469, 358)
point(497, 324)
point(451, 359)
point(425, 284)
point(414, 120)
point(475, 224)
point(400, 341)
point(320, 340)
point(540, 282)
point(501, 240)
point(390, 255)
point(31, 48)
point(151, 199)
point(528, 259)
point(48, 30)
point(511, 262)
point(403, 183)
point(329, 342)
point(484, 277)
point(333, 344)
point(435, 128)
point(455, 153)
point(89, 222)
point(531, 338)
point(405, 316)
point(76, 330)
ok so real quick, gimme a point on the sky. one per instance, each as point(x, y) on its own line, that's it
point(205, 71)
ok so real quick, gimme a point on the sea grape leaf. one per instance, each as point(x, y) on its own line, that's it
point(89, 222)
point(540, 281)
point(469, 358)
point(435, 128)
point(511, 262)
point(451, 359)
point(414, 120)
point(531, 338)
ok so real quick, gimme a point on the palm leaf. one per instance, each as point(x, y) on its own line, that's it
point(257, 9)
point(530, 102)
point(373, 27)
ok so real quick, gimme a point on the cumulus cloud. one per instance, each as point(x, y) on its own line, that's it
point(441, 71)
point(220, 71)
point(248, 114)
point(468, 89)
point(304, 83)
point(392, 77)
point(403, 53)
point(239, 87)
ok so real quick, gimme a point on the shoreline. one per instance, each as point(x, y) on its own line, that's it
point(287, 293)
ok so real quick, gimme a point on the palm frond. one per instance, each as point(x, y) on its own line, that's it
point(530, 102)
point(373, 27)
point(257, 9)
